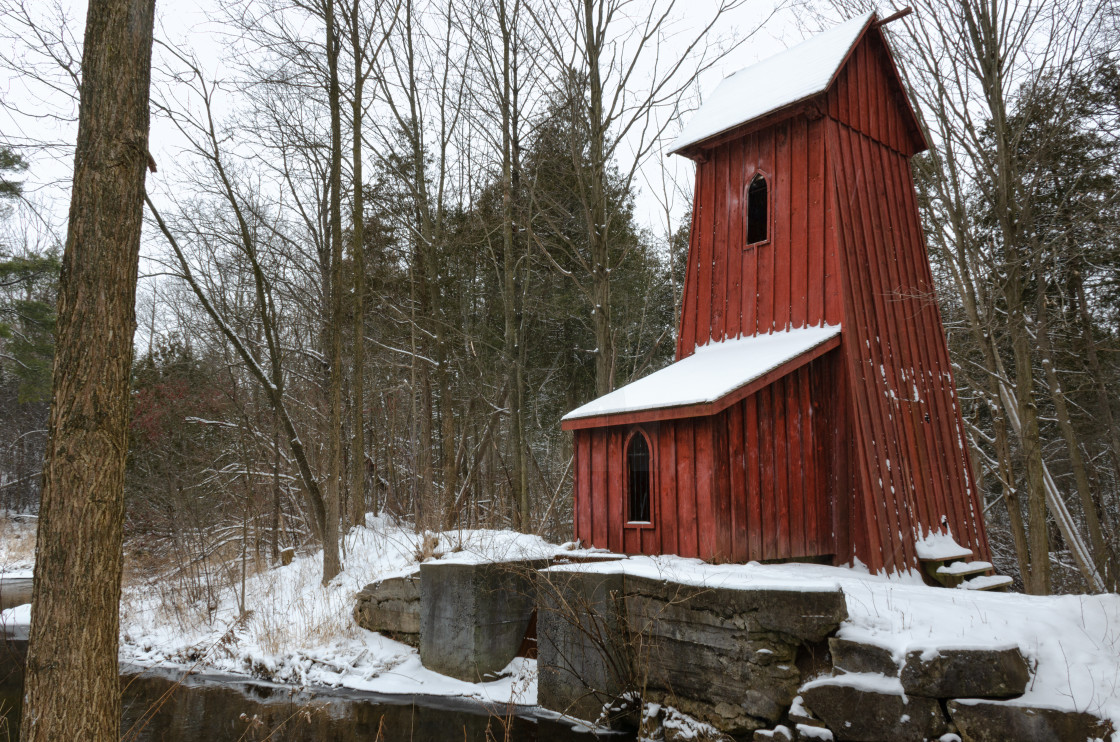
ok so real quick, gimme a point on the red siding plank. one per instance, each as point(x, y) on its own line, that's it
point(686, 489)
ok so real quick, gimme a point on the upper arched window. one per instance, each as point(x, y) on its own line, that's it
point(758, 211)
point(638, 478)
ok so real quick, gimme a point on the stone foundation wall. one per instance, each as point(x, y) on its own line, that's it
point(727, 657)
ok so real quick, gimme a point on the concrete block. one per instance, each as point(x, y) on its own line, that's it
point(473, 617)
point(583, 658)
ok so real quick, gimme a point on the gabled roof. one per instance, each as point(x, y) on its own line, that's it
point(777, 82)
point(706, 382)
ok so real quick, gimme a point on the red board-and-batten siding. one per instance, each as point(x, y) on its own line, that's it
point(707, 499)
point(845, 247)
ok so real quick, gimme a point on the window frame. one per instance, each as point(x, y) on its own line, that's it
point(768, 180)
point(627, 522)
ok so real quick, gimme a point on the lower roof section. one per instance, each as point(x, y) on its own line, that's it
point(714, 377)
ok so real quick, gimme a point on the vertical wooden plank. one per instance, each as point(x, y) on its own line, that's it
point(668, 514)
point(721, 487)
point(754, 493)
point(686, 489)
point(765, 298)
point(617, 501)
point(600, 489)
point(736, 238)
point(750, 288)
point(782, 466)
point(796, 422)
point(737, 475)
point(767, 433)
point(582, 467)
point(705, 490)
point(780, 240)
point(836, 457)
point(833, 303)
point(705, 255)
point(799, 222)
point(815, 249)
point(719, 241)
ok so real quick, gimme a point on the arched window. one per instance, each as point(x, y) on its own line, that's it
point(758, 217)
point(638, 478)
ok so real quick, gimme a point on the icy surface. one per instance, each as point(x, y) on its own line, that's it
point(786, 78)
point(712, 372)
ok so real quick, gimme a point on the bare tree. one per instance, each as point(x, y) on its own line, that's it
point(72, 687)
point(623, 88)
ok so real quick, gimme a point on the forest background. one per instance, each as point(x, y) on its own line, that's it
point(391, 243)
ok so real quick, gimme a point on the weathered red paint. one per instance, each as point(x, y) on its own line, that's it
point(853, 451)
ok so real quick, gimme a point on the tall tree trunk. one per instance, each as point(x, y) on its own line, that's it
point(596, 206)
point(357, 385)
point(72, 689)
point(331, 563)
point(511, 289)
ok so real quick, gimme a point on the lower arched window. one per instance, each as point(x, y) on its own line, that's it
point(638, 478)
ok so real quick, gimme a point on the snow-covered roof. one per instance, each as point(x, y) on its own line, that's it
point(786, 78)
point(710, 374)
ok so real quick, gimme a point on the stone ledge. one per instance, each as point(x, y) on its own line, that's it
point(871, 708)
point(946, 672)
point(995, 721)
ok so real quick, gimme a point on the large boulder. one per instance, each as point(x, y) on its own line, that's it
point(872, 708)
point(944, 672)
point(391, 607)
point(995, 721)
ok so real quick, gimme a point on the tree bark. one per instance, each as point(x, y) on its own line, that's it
point(72, 689)
point(331, 563)
point(357, 385)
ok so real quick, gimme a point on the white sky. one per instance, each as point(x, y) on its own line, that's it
point(188, 23)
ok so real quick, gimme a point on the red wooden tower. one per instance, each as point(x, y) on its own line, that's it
point(811, 412)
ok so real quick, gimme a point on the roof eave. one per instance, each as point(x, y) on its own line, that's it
point(693, 150)
point(704, 409)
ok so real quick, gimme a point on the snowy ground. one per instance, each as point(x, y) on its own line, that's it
point(17, 546)
point(297, 631)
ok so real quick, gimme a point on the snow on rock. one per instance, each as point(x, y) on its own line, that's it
point(786, 78)
point(711, 373)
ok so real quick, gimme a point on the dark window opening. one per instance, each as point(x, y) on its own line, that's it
point(637, 478)
point(757, 219)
